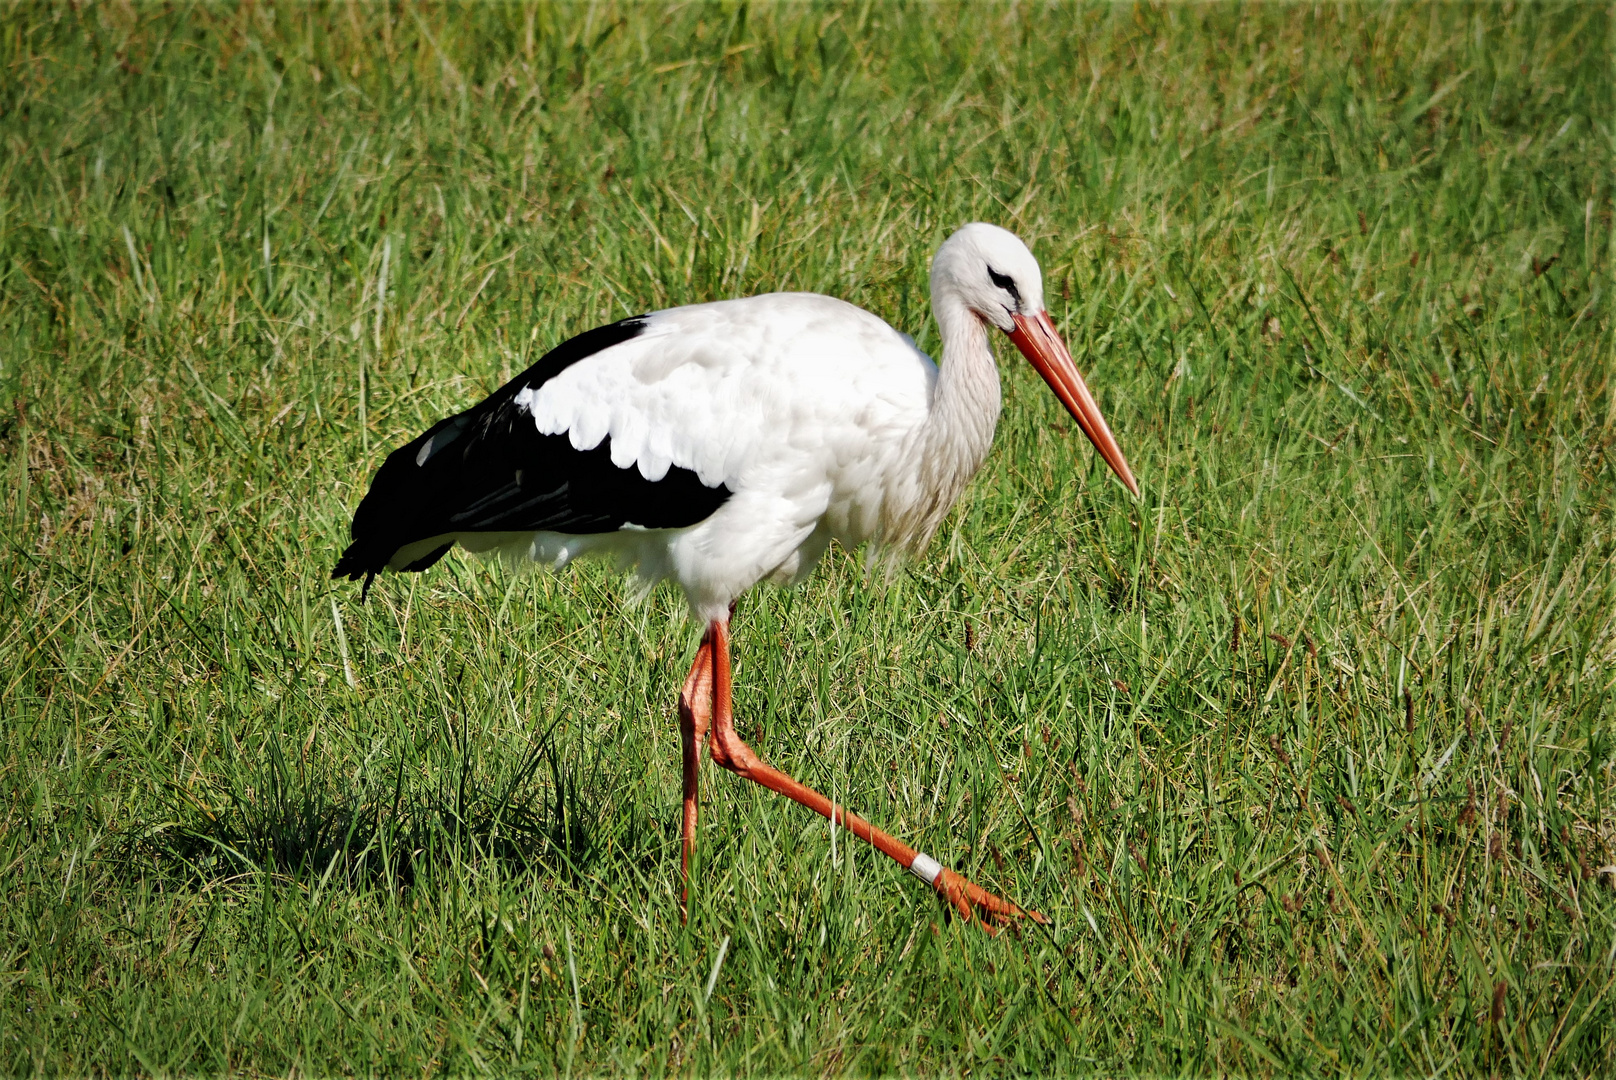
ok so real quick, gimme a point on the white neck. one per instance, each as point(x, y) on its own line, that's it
point(955, 441)
point(966, 407)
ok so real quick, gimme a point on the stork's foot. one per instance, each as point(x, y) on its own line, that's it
point(974, 902)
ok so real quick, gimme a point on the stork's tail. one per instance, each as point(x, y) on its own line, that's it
point(365, 559)
point(357, 563)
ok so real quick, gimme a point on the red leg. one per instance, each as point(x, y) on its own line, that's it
point(695, 711)
point(733, 754)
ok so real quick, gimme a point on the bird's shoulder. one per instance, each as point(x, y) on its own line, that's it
point(703, 386)
point(794, 312)
point(772, 343)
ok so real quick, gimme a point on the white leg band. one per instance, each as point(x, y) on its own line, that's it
point(926, 868)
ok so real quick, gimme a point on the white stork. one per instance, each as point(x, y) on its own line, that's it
point(726, 443)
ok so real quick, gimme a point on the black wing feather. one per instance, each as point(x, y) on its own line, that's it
point(489, 469)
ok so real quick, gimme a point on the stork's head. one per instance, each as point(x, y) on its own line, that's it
point(994, 275)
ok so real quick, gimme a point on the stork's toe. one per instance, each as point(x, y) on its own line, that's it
point(973, 902)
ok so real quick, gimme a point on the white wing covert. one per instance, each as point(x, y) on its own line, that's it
point(775, 393)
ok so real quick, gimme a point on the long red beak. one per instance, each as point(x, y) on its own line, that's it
point(1035, 336)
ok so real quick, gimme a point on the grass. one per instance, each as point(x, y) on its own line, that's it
point(1307, 754)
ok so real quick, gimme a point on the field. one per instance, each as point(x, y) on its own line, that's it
point(1307, 754)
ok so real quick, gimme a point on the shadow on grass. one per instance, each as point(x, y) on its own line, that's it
point(294, 822)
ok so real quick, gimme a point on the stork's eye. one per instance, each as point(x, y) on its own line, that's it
point(1007, 283)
